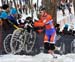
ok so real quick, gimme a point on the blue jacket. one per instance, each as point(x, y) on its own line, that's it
point(4, 15)
point(12, 19)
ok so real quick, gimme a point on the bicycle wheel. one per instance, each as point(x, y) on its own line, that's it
point(16, 46)
point(30, 41)
point(62, 51)
point(17, 40)
point(6, 43)
point(73, 46)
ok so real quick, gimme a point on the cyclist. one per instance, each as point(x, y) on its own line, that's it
point(50, 32)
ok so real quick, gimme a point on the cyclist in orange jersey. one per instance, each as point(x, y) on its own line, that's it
point(50, 32)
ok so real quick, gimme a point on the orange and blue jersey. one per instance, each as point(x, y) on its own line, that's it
point(39, 25)
point(50, 31)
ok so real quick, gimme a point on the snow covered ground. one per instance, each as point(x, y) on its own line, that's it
point(38, 58)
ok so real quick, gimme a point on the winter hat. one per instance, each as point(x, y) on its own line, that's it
point(5, 6)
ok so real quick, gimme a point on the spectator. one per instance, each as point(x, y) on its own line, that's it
point(68, 4)
point(57, 26)
point(5, 11)
point(35, 6)
point(62, 3)
point(6, 26)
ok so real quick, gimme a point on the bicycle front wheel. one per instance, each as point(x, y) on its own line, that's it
point(30, 41)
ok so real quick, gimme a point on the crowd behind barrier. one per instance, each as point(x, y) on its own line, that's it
point(63, 5)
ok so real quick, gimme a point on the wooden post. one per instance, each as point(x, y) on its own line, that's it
point(2, 2)
point(31, 8)
point(7, 2)
point(0, 34)
point(37, 6)
point(74, 5)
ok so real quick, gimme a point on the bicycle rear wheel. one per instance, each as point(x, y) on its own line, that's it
point(62, 50)
point(73, 46)
point(17, 40)
point(6, 43)
point(30, 41)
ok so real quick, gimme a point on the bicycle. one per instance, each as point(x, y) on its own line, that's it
point(7, 40)
point(20, 40)
point(23, 40)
